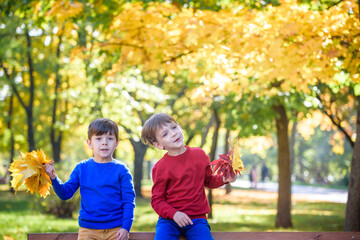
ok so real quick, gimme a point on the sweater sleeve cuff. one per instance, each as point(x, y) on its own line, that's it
point(127, 225)
point(172, 213)
point(56, 181)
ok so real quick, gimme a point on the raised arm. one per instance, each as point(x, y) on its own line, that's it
point(65, 190)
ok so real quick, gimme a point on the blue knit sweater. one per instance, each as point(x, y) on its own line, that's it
point(107, 194)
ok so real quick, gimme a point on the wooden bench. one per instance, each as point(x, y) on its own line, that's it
point(222, 236)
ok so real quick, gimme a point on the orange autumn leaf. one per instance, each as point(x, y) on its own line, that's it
point(229, 164)
point(30, 170)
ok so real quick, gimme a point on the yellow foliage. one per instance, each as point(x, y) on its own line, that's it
point(63, 9)
point(288, 42)
point(337, 142)
point(30, 170)
point(235, 157)
point(306, 127)
point(258, 144)
point(63, 12)
point(8, 238)
point(36, 6)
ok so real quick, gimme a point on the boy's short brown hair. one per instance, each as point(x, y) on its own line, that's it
point(103, 125)
point(148, 133)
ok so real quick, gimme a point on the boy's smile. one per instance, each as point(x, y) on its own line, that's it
point(170, 137)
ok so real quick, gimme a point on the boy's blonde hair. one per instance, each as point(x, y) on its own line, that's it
point(148, 133)
point(103, 125)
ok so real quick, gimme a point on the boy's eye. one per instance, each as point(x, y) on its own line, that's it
point(164, 134)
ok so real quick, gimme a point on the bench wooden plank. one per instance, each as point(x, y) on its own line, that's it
point(222, 236)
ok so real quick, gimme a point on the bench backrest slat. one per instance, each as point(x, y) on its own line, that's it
point(223, 236)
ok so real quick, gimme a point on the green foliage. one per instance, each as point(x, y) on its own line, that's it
point(216, 5)
point(61, 209)
point(213, 5)
point(320, 5)
point(317, 163)
point(252, 114)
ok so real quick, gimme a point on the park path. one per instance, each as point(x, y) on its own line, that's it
point(308, 192)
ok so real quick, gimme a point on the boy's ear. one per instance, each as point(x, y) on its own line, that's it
point(159, 146)
point(89, 143)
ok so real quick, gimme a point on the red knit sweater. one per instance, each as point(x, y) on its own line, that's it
point(179, 183)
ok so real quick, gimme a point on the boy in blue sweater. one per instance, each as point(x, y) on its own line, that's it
point(106, 187)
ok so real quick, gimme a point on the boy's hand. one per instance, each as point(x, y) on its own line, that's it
point(182, 219)
point(122, 234)
point(50, 170)
point(229, 179)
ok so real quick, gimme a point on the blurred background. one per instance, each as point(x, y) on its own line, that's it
point(282, 77)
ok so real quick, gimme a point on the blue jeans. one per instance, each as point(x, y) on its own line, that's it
point(169, 230)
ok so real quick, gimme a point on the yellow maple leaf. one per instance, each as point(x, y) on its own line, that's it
point(235, 157)
point(30, 170)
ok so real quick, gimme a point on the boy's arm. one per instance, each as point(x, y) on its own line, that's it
point(128, 198)
point(158, 200)
point(211, 180)
point(66, 190)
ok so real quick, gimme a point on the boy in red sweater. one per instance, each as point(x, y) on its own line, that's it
point(178, 194)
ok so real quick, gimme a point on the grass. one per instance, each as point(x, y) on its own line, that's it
point(18, 218)
point(251, 210)
point(242, 210)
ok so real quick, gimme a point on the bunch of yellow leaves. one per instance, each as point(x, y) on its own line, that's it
point(31, 171)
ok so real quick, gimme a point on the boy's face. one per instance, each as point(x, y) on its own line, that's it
point(103, 146)
point(169, 137)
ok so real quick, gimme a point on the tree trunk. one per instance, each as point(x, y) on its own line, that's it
point(12, 146)
point(149, 168)
point(29, 109)
point(189, 139)
point(283, 217)
point(300, 162)
point(139, 150)
point(213, 153)
point(227, 149)
point(292, 148)
point(56, 140)
point(205, 133)
point(352, 216)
